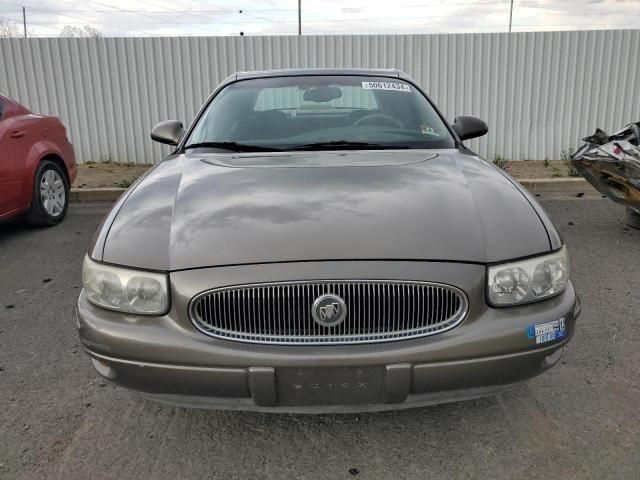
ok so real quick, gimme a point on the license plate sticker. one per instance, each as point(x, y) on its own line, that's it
point(548, 331)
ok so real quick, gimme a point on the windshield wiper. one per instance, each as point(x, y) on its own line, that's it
point(344, 145)
point(233, 146)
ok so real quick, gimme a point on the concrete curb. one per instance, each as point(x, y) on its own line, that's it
point(557, 186)
point(81, 195)
point(537, 186)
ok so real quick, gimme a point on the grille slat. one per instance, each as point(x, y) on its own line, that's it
point(280, 313)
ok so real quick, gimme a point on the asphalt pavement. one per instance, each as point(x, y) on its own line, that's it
point(59, 419)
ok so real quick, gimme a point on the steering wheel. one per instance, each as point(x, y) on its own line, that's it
point(386, 118)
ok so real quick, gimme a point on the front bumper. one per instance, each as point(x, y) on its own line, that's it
point(255, 388)
point(167, 359)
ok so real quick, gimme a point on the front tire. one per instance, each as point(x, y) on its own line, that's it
point(50, 198)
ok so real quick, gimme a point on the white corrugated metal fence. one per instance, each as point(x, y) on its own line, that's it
point(539, 92)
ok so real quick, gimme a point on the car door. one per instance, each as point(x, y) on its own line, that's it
point(14, 147)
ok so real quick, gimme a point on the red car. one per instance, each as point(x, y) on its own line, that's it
point(37, 165)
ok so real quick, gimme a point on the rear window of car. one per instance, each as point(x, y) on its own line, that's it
point(290, 112)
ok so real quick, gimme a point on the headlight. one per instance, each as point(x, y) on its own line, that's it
point(125, 290)
point(528, 280)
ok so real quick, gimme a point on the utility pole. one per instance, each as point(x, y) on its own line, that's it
point(299, 17)
point(24, 21)
point(510, 16)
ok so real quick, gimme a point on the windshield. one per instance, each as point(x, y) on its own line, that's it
point(319, 112)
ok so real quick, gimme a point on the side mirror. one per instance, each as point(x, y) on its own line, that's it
point(168, 132)
point(469, 127)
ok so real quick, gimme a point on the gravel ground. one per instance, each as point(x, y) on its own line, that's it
point(60, 420)
point(109, 174)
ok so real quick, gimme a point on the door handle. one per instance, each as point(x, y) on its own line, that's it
point(17, 134)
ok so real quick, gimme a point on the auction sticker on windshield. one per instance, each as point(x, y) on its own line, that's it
point(398, 87)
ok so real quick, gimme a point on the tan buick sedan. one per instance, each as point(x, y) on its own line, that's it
point(322, 241)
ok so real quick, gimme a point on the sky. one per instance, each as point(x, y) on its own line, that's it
point(280, 17)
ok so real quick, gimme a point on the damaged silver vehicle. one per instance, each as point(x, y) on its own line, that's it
point(611, 163)
point(323, 241)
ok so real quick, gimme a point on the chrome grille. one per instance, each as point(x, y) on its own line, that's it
point(280, 313)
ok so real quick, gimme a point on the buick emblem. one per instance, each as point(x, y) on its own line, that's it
point(329, 310)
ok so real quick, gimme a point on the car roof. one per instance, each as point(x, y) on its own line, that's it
point(293, 72)
point(9, 101)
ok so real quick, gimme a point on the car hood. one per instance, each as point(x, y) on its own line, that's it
point(200, 210)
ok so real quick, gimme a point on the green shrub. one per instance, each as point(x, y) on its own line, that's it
point(565, 156)
point(126, 183)
point(499, 161)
